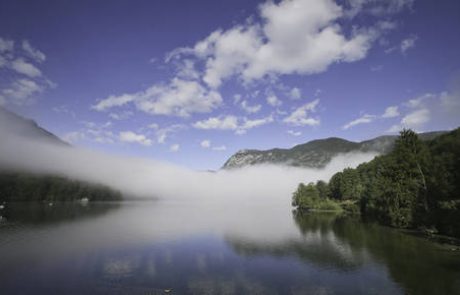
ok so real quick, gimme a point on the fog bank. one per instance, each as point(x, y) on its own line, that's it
point(154, 179)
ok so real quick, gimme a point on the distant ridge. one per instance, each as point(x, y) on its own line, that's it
point(316, 153)
point(12, 123)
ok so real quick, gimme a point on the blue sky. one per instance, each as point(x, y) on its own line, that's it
point(192, 82)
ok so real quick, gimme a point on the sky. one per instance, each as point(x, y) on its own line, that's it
point(192, 82)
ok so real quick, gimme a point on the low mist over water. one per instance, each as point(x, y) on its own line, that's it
point(146, 178)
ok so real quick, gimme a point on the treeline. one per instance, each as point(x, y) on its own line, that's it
point(19, 187)
point(416, 185)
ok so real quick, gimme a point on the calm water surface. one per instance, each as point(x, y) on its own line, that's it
point(185, 248)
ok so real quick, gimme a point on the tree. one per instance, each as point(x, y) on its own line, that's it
point(323, 189)
point(306, 196)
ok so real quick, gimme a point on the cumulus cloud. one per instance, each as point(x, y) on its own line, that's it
point(361, 120)
point(121, 115)
point(20, 77)
point(273, 100)
point(301, 116)
point(294, 133)
point(179, 98)
point(416, 118)
point(249, 124)
point(205, 144)
point(293, 37)
point(32, 52)
point(162, 134)
point(250, 109)
point(377, 7)
point(22, 67)
point(22, 91)
point(413, 120)
point(220, 123)
point(408, 43)
point(6, 45)
point(391, 112)
point(419, 101)
point(132, 137)
point(450, 101)
point(240, 126)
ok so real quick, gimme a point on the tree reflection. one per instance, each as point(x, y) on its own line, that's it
point(343, 243)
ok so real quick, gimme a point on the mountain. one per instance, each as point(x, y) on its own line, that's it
point(12, 124)
point(316, 153)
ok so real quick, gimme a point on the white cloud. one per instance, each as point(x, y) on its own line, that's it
point(249, 124)
point(6, 45)
point(450, 101)
point(419, 101)
point(250, 109)
point(391, 112)
point(187, 70)
point(221, 123)
point(294, 133)
point(416, 119)
point(114, 101)
point(73, 137)
point(394, 129)
point(174, 148)
point(22, 78)
point(295, 93)
point(154, 126)
point(294, 37)
point(273, 100)
point(300, 116)
point(205, 144)
point(231, 123)
point(163, 133)
point(179, 98)
point(408, 43)
point(121, 115)
point(21, 92)
point(131, 137)
point(377, 7)
point(361, 120)
point(22, 67)
point(33, 53)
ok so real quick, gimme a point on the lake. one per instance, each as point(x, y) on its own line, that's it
point(183, 247)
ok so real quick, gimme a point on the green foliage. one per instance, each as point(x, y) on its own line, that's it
point(18, 187)
point(308, 197)
point(323, 189)
point(416, 185)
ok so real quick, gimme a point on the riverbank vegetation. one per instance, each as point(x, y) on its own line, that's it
point(20, 187)
point(417, 185)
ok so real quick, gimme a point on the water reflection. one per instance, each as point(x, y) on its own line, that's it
point(187, 248)
point(37, 213)
point(344, 243)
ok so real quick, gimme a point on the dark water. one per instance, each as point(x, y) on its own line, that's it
point(184, 248)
